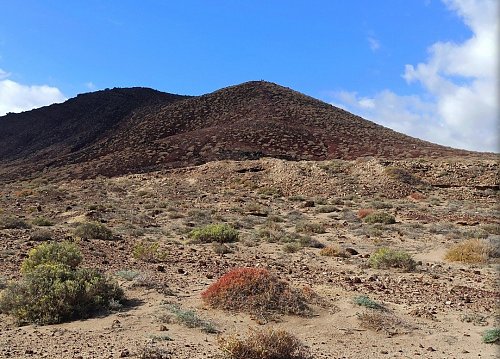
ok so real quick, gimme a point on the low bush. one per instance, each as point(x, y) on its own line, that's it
point(389, 258)
point(93, 230)
point(190, 319)
point(149, 252)
point(380, 217)
point(491, 336)
point(53, 290)
point(470, 251)
point(334, 251)
point(41, 235)
point(264, 344)
point(381, 321)
point(366, 302)
point(256, 291)
point(310, 228)
point(220, 232)
point(42, 222)
point(363, 212)
point(13, 223)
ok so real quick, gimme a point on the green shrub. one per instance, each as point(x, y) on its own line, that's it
point(65, 253)
point(149, 252)
point(389, 258)
point(364, 301)
point(42, 222)
point(53, 290)
point(13, 223)
point(218, 232)
point(380, 217)
point(93, 230)
point(491, 336)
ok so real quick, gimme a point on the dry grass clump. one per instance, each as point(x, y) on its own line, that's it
point(255, 291)
point(334, 251)
point(363, 212)
point(310, 228)
point(93, 230)
point(381, 321)
point(264, 344)
point(8, 222)
point(389, 258)
point(149, 252)
point(470, 251)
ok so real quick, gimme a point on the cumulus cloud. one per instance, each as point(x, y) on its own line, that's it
point(459, 105)
point(16, 97)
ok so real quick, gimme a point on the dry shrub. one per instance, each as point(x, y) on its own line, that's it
point(265, 344)
point(417, 196)
point(334, 251)
point(385, 258)
point(384, 322)
point(363, 212)
point(255, 291)
point(470, 251)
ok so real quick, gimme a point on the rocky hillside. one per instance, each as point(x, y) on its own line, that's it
point(120, 131)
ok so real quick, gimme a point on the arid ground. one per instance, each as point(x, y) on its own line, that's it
point(286, 214)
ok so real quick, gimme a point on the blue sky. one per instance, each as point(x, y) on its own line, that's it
point(387, 60)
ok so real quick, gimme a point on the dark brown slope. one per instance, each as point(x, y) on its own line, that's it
point(49, 132)
point(247, 121)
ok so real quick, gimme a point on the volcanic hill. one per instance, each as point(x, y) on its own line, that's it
point(119, 131)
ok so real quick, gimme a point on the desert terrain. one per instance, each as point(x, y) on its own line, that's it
point(390, 244)
point(285, 213)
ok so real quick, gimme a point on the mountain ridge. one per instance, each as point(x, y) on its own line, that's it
point(112, 132)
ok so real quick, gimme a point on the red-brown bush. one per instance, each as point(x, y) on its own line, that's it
point(255, 291)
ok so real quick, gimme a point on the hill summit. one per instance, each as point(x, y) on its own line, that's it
point(118, 131)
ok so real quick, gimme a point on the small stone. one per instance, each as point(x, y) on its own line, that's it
point(160, 268)
point(431, 349)
point(163, 328)
point(124, 353)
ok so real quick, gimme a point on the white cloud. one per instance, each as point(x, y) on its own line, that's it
point(373, 43)
point(459, 106)
point(16, 97)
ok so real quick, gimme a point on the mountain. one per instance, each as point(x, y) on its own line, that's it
point(118, 131)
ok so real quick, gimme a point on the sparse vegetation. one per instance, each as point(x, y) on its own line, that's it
point(264, 344)
point(41, 235)
point(470, 251)
point(190, 319)
point(93, 230)
point(42, 222)
point(128, 274)
point(334, 251)
point(379, 217)
point(491, 336)
point(389, 258)
point(366, 302)
point(310, 228)
point(149, 252)
point(381, 321)
point(257, 291)
point(10, 222)
point(222, 233)
point(54, 290)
